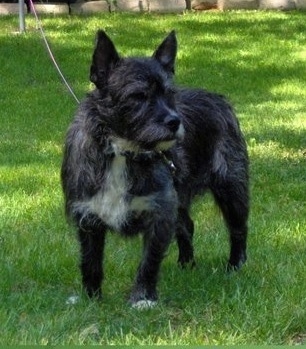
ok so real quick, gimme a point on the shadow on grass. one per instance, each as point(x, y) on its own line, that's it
point(285, 137)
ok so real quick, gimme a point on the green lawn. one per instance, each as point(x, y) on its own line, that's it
point(258, 60)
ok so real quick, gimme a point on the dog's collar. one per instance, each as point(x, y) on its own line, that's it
point(149, 155)
point(138, 155)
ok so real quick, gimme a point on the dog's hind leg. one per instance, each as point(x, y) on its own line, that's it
point(92, 239)
point(156, 242)
point(184, 236)
point(232, 198)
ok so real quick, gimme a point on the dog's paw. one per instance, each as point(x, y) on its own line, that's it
point(186, 264)
point(143, 298)
point(236, 264)
point(144, 304)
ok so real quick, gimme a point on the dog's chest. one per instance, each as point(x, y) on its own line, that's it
point(113, 203)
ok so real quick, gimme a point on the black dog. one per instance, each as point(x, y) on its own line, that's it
point(138, 151)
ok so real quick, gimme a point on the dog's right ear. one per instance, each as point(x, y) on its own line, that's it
point(166, 52)
point(104, 58)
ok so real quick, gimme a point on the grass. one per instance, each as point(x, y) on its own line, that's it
point(258, 60)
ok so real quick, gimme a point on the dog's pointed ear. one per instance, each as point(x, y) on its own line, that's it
point(104, 58)
point(165, 53)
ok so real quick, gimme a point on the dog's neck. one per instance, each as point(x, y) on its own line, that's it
point(122, 147)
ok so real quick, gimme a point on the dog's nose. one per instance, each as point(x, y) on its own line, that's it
point(172, 122)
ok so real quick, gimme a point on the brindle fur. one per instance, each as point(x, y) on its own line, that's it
point(138, 151)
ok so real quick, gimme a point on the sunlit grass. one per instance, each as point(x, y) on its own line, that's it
point(257, 59)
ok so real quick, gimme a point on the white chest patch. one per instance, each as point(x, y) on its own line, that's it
point(111, 203)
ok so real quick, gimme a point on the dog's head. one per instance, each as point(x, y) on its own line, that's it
point(140, 94)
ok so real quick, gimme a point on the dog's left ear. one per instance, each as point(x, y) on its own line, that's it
point(165, 53)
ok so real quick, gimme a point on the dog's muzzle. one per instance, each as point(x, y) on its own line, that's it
point(174, 124)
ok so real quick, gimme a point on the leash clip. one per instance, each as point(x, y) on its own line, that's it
point(169, 162)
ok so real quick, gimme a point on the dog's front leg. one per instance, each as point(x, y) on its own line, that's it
point(156, 242)
point(92, 246)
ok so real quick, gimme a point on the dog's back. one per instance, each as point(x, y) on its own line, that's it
point(213, 142)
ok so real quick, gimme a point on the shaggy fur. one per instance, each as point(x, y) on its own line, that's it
point(138, 151)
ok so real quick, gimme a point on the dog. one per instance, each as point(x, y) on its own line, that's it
point(137, 152)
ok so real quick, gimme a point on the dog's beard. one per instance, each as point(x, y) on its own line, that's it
point(136, 137)
point(158, 138)
point(165, 145)
point(121, 145)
